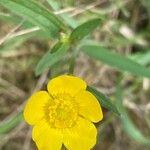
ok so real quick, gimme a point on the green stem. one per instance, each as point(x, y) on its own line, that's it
point(72, 62)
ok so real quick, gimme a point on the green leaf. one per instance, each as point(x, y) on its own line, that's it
point(141, 58)
point(104, 101)
point(11, 44)
point(54, 4)
point(11, 123)
point(115, 60)
point(84, 29)
point(50, 59)
point(67, 18)
point(146, 3)
point(128, 125)
point(36, 14)
point(132, 130)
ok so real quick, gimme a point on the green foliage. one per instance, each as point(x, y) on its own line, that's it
point(36, 14)
point(10, 123)
point(13, 43)
point(141, 58)
point(146, 3)
point(115, 60)
point(50, 58)
point(54, 4)
point(104, 101)
point(68, 19)
point(128, 125)
point(84, 29)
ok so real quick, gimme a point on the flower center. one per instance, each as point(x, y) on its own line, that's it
point(62, 111)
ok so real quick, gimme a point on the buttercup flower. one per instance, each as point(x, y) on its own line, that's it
point(63, 115)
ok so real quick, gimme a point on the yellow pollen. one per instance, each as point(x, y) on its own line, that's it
point(62, 111)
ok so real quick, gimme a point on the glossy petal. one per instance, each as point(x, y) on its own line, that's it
point(89, 106)
point(81, 137)
point(34, 109)
point(46, 138)
point(66, 84)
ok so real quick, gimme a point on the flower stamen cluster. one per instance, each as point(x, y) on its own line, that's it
point(62, 111)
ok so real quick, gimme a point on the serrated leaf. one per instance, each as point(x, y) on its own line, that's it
point(10, 123)
point(120, 62)
point(50, 59)
point(36, 14)
point(84, 29)
point(104, 101)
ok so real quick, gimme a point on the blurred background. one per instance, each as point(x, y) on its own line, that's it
point(125, 29)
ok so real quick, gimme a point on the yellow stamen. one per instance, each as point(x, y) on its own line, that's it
point(62, 112)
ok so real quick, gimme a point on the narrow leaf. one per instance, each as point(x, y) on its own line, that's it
point(67, 18)
point(50, 59)
point(11, 123)
point(141, 58)
point(54, 4)
point(128, 125)
point(104, 101)
point(13, 43)
point(84, 29)
point(115, 60)
point(36, 14)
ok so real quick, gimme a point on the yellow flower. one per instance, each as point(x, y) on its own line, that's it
point(63, 115)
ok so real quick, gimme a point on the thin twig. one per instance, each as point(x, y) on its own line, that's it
point(18, 128)
point(66, 10)
point(4, 14)
point(38, 86)
point(89, 7)
point(19, 54)
point(15, 131)
point(11, 33)
point(13, 88)
point(27, 141)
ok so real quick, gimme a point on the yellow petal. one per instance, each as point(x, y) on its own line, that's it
point(81, 137)
point(89, 106)
point(46, 138)
point(66, 84)
point(34, 109)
